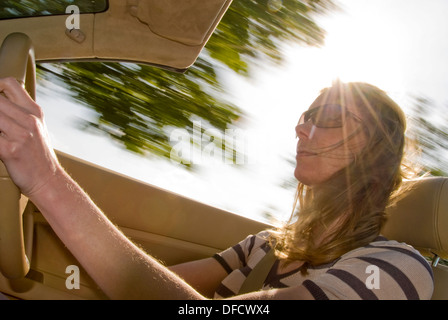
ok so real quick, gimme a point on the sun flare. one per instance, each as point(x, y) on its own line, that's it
point(363, 54)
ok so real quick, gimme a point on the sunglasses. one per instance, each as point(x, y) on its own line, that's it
point(327, 116)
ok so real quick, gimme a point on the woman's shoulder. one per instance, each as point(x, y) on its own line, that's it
point(382, 246)
point(399, 268)
point(383, 269)
point(256, 241)
point(385, 252)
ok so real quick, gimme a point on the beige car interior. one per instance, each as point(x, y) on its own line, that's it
point(168, 33)
point(172, 228)
point(421, 220)
point(34, 262)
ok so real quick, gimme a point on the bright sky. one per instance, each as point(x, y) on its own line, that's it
point(400, 46)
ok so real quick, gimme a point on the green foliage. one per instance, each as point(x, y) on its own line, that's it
point(253, 31)
point(135, 104)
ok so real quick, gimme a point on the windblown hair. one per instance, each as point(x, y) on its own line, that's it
point(348, 210)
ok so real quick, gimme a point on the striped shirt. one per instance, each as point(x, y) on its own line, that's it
point(383, 269)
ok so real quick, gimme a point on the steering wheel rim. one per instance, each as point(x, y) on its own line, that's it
point(17, 61)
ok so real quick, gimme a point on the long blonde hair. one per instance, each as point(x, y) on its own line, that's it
point(349, 209)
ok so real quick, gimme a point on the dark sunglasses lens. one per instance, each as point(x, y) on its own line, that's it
point(326, 116)
point(330, 116)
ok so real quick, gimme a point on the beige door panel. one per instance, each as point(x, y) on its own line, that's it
point(170, 227)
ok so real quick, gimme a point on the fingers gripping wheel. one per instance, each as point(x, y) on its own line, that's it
point(17, 61)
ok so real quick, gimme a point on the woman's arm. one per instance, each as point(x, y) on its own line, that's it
point(203, 275)
point(118, 266)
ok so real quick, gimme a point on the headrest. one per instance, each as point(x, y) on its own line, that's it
point(420, 218)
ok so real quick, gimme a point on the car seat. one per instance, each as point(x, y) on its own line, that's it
point(420, 219)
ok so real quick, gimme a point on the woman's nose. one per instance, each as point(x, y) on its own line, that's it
point(305, 130)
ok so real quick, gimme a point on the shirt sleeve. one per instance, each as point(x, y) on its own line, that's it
point(388, 271)
point(239, 261)
point(237, 256)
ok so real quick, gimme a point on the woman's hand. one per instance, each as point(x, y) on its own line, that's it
point(24, 144)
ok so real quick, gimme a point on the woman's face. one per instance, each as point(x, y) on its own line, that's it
point(330, 134)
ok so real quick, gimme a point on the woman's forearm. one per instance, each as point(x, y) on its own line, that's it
point(117, 265)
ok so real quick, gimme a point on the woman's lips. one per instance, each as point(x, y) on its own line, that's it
point(303, 150)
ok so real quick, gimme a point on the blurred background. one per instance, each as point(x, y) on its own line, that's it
point(261, 69)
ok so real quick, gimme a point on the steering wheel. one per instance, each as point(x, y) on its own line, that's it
point(17, 61)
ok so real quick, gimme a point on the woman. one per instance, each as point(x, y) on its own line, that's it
point(349, 157)
point(348, 164)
